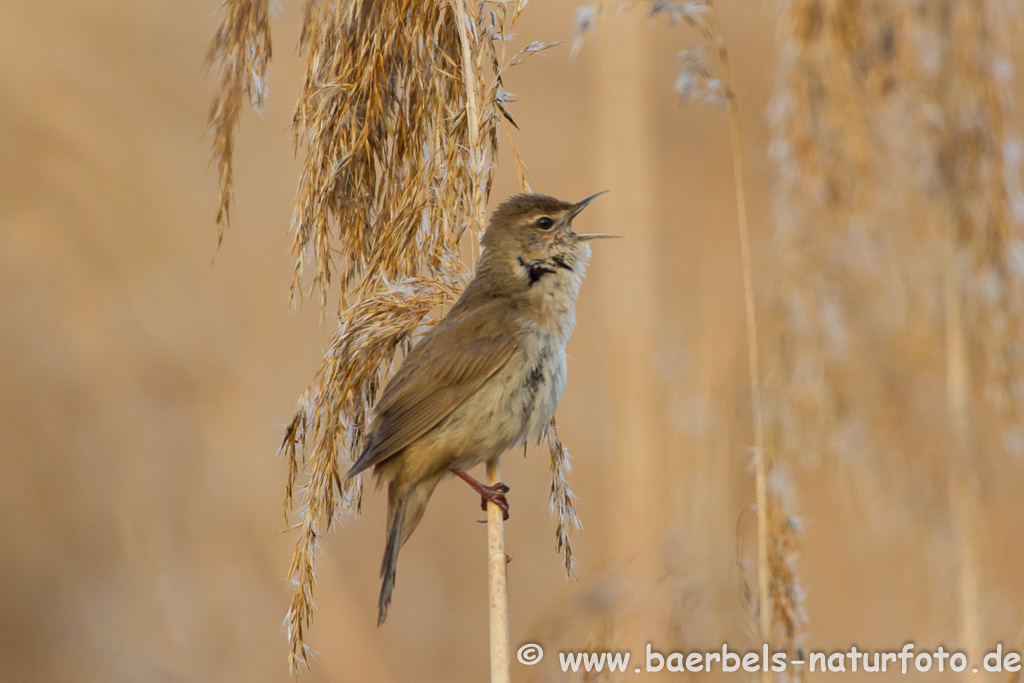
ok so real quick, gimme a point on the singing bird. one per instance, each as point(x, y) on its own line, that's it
point(488, 376)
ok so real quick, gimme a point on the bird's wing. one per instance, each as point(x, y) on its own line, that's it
point(444, 369)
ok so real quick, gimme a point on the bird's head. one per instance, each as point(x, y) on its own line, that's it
point(533, 233)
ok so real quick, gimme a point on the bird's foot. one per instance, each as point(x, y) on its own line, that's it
point(494, 494)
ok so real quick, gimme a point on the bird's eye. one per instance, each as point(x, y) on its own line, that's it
point(544, 223)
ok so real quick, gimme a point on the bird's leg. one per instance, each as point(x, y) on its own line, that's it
point(495, 494)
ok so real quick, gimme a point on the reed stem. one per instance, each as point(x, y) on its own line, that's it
point(497, 583)
point(497, 576)
point(764, 599)
point(963, 502)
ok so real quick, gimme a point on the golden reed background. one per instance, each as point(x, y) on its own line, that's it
point(145, 383)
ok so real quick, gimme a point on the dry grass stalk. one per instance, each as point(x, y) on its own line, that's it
point(241, 51)
point(484, 103)
point(497, 586)
point(705, 74)
point(709, 78)
point(892, 114)
point(497, 561)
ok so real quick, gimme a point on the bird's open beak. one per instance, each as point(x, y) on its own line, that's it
point(596, 236)
point(579, 206)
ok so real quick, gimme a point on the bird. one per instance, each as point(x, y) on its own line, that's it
point(490, 373)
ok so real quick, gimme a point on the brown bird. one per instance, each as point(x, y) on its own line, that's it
point(488, 376)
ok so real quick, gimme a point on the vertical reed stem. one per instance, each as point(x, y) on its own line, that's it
point(497, 583)
point(764, 599)
point(962, 496)
point(497, 576)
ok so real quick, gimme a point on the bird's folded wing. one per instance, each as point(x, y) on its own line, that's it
point(445, 369)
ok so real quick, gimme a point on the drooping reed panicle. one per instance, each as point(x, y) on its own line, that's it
point(561, 502)
point(241, 51)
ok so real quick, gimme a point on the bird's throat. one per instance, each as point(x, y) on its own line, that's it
point(541, 267)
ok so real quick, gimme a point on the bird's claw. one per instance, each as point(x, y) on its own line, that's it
point(496, 495)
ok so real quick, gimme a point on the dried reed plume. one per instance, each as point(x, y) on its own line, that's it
point(562, 499)
point(901, 245)
point(705, 74)
point(382, 200)
point(398, 117)
point(240, 50)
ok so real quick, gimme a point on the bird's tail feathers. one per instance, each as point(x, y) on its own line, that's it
point(405, 510)
point(389, 567)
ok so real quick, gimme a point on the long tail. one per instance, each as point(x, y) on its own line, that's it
point(389, 567)
point(405, 510)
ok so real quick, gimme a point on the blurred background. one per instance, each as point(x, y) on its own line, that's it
point(146, 376)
